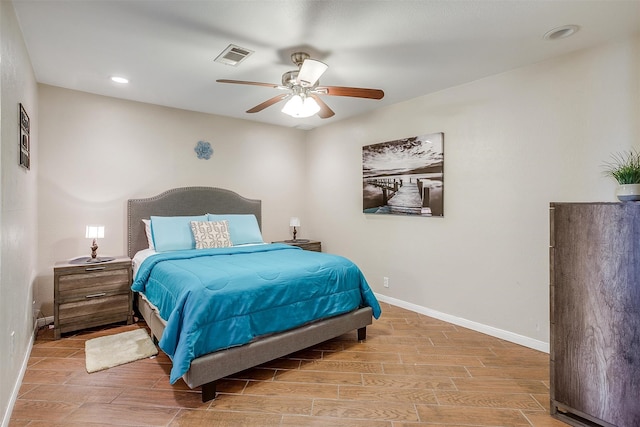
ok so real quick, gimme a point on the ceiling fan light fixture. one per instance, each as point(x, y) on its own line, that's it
point(292, 106)
point(298, 107)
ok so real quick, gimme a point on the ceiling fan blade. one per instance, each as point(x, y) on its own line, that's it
point(242, 82)
point(268, 103)
point(325, 112)
point(356, 92)
point(310, 72)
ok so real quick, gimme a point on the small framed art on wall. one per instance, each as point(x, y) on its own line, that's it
point(24, 142)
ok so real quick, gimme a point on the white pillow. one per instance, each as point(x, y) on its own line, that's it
point(147, 230)
point(211, 234)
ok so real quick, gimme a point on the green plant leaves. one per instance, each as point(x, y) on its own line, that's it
point(624, 167)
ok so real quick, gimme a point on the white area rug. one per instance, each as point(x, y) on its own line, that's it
point(113, 350)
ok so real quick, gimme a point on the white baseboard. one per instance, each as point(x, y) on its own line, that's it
point(479, 327)
point(40, 322)
point(16, 387)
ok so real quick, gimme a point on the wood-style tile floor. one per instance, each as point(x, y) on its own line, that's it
point(411, 371)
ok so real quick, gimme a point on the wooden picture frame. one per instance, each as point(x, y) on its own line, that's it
point(24, 143)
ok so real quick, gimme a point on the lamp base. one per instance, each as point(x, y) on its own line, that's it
point(297, 241)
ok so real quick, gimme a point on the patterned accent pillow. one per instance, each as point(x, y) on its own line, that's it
point(211, 234)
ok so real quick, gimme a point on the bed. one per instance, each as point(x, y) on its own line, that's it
point(206, 369)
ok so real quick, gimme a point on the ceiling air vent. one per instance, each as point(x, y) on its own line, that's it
point(233, 55)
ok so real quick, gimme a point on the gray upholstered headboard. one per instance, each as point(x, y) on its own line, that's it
point(184, 201)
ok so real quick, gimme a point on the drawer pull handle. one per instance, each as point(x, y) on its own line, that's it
point(94, 268)
point(100, 294)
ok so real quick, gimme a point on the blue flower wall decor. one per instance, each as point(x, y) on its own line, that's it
point(203, 150)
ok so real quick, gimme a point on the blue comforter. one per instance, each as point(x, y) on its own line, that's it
point(213, 299)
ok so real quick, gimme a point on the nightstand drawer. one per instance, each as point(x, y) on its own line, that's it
point(311, 246)
point(94, 304)
point(79, 286)
point(307, 245)
point(95, 311)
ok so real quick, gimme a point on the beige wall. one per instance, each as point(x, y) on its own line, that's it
point(513, 143)
point(96, 152)
point(18, 225)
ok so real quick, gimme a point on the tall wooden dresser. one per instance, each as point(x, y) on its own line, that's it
point(595, 313)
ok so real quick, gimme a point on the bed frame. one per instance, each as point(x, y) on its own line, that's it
point(207, 369)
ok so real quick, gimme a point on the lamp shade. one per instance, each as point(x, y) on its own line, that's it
point(311, 71)
point(309, 107)
point(293, 106)
point(94, 232)
point(294, 222)
point(300, 107)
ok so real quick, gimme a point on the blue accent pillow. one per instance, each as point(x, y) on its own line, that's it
point(173, 233)
point(243, 228)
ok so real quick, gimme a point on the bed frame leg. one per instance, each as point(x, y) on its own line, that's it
point(208, 391)
point(362, 333)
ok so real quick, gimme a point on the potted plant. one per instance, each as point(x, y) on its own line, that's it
point(624, 167)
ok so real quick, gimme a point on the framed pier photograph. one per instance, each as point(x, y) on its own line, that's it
point(404, 176)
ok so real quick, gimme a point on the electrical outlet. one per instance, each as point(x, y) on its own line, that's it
point(385, 282)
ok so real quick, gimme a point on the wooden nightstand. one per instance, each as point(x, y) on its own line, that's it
point(307, 245)
point(87, 295)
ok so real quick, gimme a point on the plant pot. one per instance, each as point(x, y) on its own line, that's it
point(628, 192)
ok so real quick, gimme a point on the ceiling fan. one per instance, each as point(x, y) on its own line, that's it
point(302, 87)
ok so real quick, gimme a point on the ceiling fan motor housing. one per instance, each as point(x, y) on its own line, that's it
point(290, 78)
point(299, 57)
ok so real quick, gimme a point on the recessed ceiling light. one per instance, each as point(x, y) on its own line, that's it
point(118, 79)
point(561, 32)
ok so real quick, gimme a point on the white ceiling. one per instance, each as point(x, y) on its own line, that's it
point(406, 48)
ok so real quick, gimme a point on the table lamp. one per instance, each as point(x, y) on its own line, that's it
point(294, 222)
point(94, 232)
